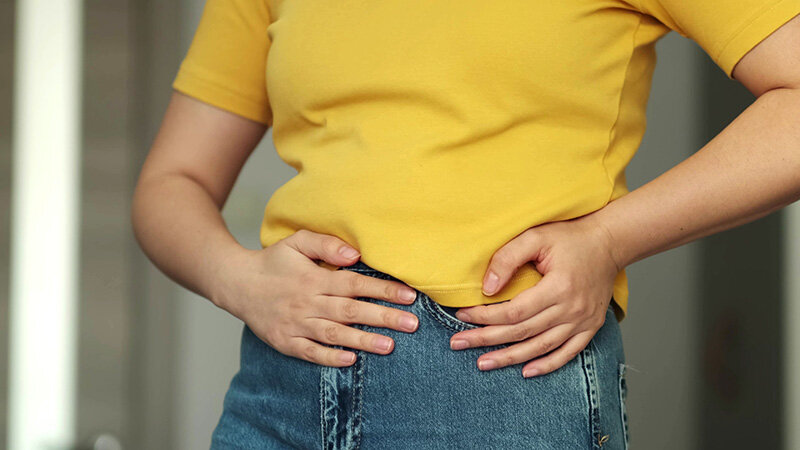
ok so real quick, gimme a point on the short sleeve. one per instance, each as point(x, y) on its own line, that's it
point(225, 65)
point(725, 29)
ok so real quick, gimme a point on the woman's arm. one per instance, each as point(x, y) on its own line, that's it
point(750, 169)
point(286, 299)
point(184, 183)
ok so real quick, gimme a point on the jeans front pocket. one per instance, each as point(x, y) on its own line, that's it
point(445, 315)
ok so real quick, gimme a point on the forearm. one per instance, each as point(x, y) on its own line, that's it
point(180, 228)
point(750, 169)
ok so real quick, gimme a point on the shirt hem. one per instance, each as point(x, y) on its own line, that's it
point(189, 82)
point(459, 296)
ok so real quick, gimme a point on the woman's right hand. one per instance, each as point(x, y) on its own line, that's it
point(294, 305)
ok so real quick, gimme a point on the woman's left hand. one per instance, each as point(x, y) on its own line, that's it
point(561, 312)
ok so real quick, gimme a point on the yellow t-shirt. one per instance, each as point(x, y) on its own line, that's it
point(427, 134)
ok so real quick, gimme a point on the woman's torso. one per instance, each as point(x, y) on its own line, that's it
point(428, 134)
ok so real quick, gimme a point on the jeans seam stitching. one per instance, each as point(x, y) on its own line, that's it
point(358, 385)
point(323, 415)
point(588, 363)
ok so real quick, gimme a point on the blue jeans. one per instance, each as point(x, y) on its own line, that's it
point(424, 395)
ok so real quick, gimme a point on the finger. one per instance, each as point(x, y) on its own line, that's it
point(304, 348)
point(508, 258)
point(500, 334)
point(526, 350)
point(559, 357)
point(347, 283)
point(325, 247)
point(347, 310)
point(330, 332)
point(527, 303)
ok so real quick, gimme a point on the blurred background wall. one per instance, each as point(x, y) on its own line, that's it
point(704, 336)
point(6, 76)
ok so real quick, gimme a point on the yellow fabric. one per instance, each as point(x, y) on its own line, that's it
point(427, 134)
point(226, 63)
point(724, 29)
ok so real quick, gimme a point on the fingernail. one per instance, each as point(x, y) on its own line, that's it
point(408, 295)
point(409, 323)
point(491, 283)
point(459, 344)
point(487, 364)
point(383, 343)
point(348, 252)
point(529, 373)
point(347, 357)
point(461, 315)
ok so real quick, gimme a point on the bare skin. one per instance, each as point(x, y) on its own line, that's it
point(289, 301)
point(750, 169)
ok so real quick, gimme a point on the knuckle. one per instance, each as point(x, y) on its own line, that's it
point(551, 322)
point(295, 306)
point(479, 313)
point(479, 340)
point(330, 245)
point(388, 318)
point(564, 286)
point(309, 278)
point(302, 233)
point(568, 287)
point(331, 333)
point(278, 343)
point(366, 340)
point(508, 359)
point(544, 347)
point(520, 332)
point(355, 282)
point(309, 352)
point(578, 309)
point(271, 337)
point(284, 322)
point(513, 313)
point(600, 322)
point(389, 290)
point(475, 313)
point(529, 236)
point(350, 309)
point(502, 258)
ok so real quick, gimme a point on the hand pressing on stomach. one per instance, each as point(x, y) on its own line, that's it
point(560, 313)
point(296, 306)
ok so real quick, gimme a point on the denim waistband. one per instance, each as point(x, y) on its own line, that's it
point(365, 269)
point(360, 266)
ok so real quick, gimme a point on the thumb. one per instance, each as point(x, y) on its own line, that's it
point(508, 258)
point(325, 247)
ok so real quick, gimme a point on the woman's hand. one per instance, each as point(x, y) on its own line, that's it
point(294, 305)
point(561, 312)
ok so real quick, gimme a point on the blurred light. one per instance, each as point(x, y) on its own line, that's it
point(106, 442)
point(44, 224)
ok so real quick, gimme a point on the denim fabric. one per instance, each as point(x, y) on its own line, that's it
point(424, 395)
